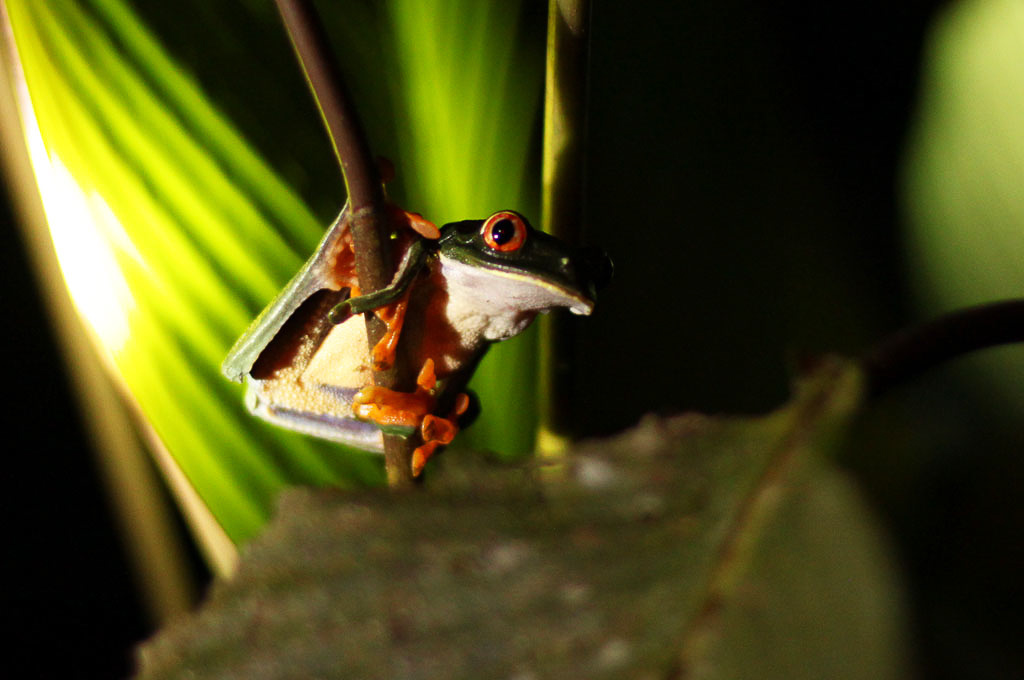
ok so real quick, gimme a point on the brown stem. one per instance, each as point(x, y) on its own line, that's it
point(562, 200)
point(369, 216)
point(912, 351)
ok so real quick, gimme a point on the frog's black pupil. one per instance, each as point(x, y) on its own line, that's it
point(502, 232)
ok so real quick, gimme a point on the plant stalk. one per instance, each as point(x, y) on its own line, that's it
point(911, 352)
point(369, 216)
point(562, 203)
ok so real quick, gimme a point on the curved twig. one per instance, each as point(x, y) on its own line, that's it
point(367, 207)
point(914, 350)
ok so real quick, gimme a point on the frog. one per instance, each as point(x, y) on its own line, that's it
point(456, 291)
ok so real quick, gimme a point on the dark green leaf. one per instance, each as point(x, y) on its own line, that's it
point(687, 547)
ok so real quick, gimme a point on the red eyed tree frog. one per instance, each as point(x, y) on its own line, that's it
point(455, 291)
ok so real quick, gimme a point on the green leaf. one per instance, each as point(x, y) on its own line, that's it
point(167, 228)
point(687, 547)
point(173, 232)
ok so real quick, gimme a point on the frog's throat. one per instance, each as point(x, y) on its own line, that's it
point(498, 290)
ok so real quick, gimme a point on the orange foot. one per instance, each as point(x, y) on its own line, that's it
point(390, 408)
point(437, 431)
point(415, 221)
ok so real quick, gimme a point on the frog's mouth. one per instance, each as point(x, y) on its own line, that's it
point(572, 283)
point(548, 292)
point(578, 278)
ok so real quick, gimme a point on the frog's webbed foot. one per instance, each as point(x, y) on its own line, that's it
point(437, 431)
point(415, 221)
point(406, 411)
point(399, 411)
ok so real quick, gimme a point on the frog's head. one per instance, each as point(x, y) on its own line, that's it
point(507, 263)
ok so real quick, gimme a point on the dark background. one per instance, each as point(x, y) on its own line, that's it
point(743, 175)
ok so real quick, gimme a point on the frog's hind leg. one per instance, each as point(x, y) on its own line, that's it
point(437, 432)
point(392, 409)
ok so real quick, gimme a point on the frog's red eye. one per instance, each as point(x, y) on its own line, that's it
point(504, 231)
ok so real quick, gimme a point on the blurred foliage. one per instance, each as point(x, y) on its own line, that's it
point(964, 195)
point(956, 493)
point(689, 547)
point(173, 232)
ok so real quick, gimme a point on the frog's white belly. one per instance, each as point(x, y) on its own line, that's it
point(315, 397)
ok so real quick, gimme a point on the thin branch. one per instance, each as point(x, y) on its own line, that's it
point(562, 200)
point(911, 352)
point(369, 216)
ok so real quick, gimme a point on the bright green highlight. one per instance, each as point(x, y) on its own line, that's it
point(964, 181)
point(194, 229)
point(173, 232)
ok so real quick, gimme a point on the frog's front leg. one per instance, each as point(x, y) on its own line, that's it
point(386, 307)
point(388, 304)
point(407, 411)
point(393, 316)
